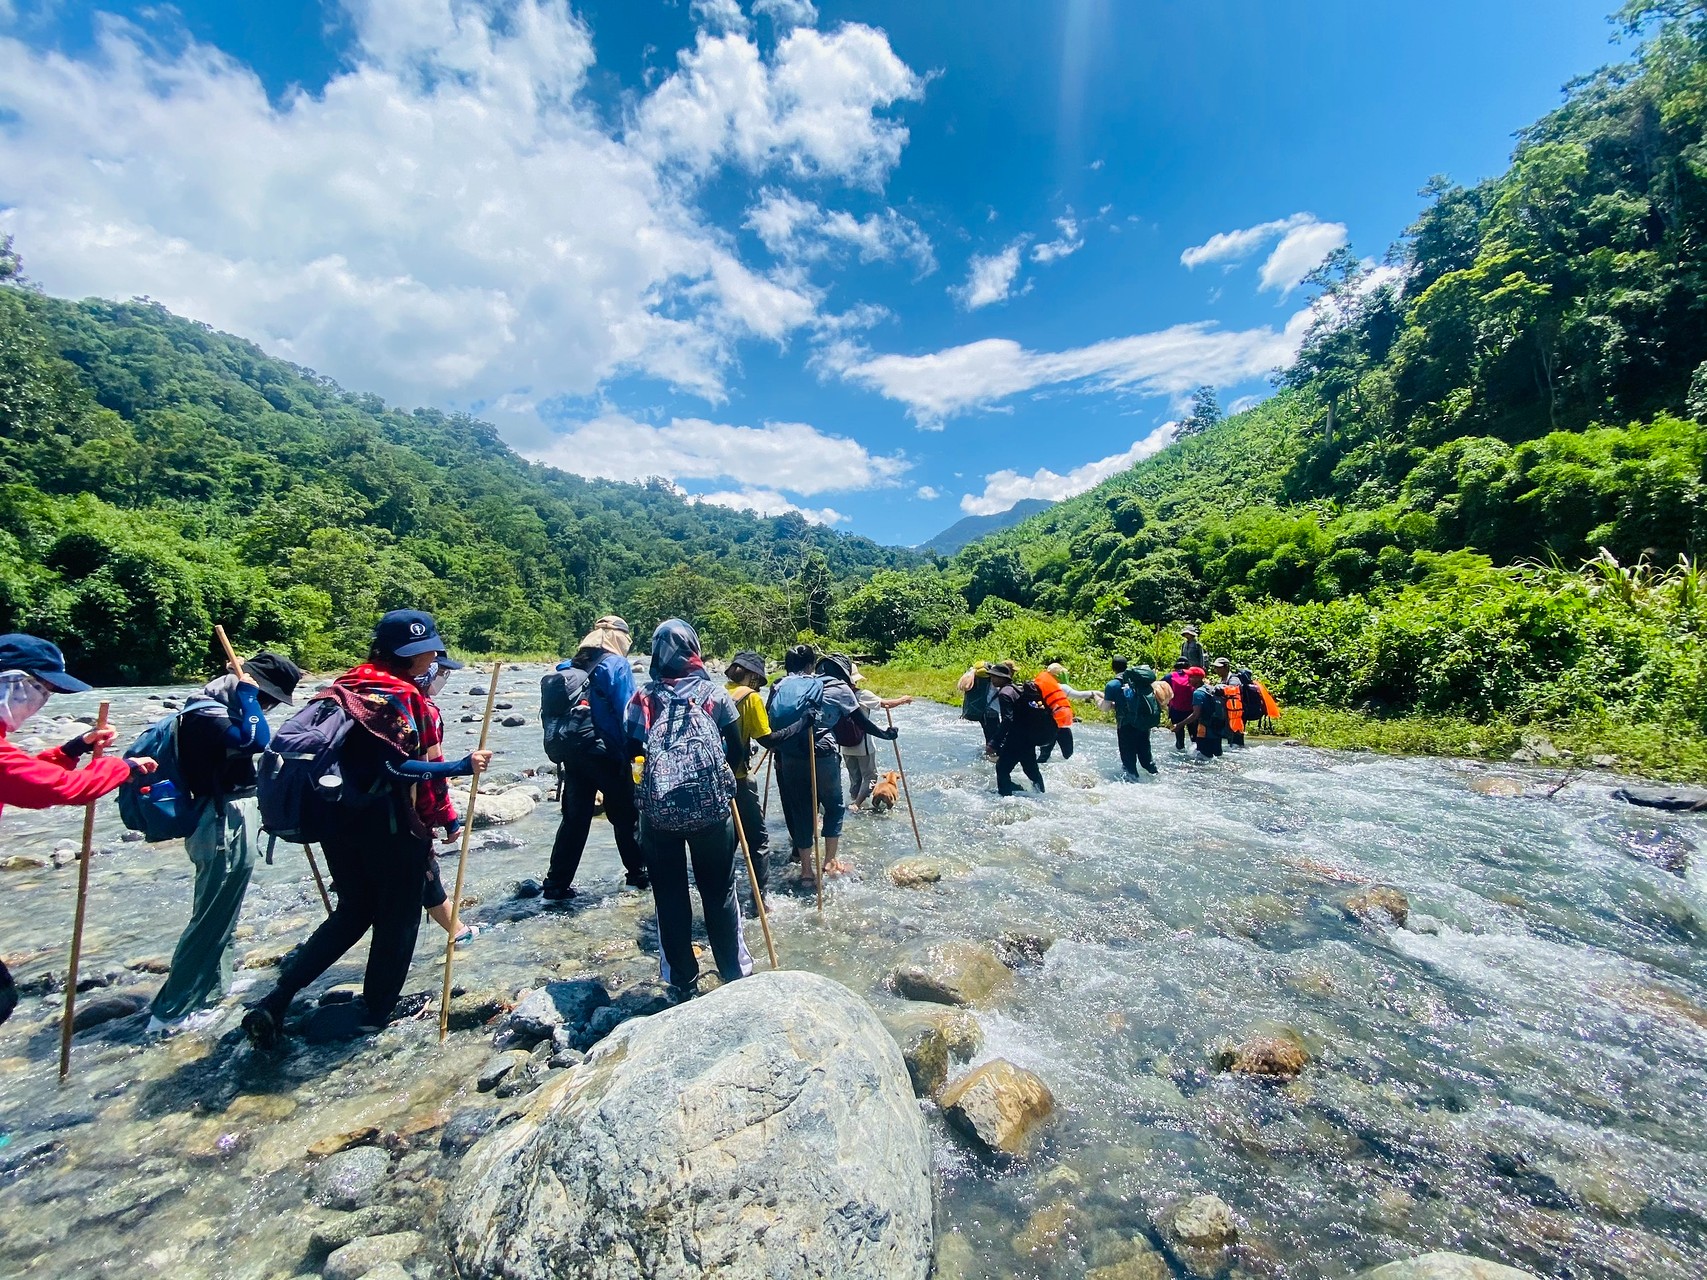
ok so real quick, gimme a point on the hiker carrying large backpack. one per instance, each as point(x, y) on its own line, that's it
point(1024, 722)
point(1208, 719)
point(212, 744)
point(379, 846)
point(689, 732)
point(582, 705)
point(1131, 696)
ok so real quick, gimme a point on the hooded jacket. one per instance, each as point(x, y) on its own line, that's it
point(678, 668)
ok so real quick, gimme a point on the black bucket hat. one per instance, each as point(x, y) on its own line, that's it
point(750, 661)
point(841, 666)
point(275, 675)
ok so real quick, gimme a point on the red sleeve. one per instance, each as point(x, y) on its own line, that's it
point(38, 782)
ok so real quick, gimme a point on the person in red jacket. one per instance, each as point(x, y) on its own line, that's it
point(32, 671)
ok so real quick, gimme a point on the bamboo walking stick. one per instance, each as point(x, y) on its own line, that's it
point(77, 924)
point(812, 768)
point(462, 858)
point(753, 879)
point(905, 789)
point(770, 759)
point(325, 898)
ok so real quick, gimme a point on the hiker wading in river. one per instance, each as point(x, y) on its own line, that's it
point(32, 671)
point(689, 732)
point(380, 842)
point(859, 748)
point(220, 733)
point(1023, 723)
point(602, 770)
point(745, 676)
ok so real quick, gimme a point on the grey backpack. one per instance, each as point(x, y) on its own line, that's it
point(687, 783)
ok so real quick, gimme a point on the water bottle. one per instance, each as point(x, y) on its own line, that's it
point(165, 789)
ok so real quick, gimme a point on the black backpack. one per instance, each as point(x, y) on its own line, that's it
point(301, 786)
point(1033, 719)
point(1213, 717)
point(566, 711)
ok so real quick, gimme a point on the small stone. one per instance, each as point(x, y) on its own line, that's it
point(350, 1179)
point(62, 858)
point(514, 722)
point(1280, 1056)
point(25, 862)
point(471, 1009)
point(1142, 1262)
point(956, 1259)
point(502, 706)
point(1051, 1232)
point(1021, 950)
point(132, 837)
point(915, 873)
point(527, 889)
point(1379, 904)
point(92, 1013)
point(1204, 1222)
point(364, 1255)
point(363, 1136)
point(150, 964)
point(1600, 760)
point(951, 972)
point(1445, 1266)
point(478, 691)
point(1540, 746)
point(565, 1058)
point(333, 1232)
point(961, 1031)
point(464, 1129)
point(998, 1104)
point(499, 1066)
point(925, 1050)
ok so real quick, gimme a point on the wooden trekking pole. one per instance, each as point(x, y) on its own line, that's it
point(325, 898)
point(462, 858)
point(77, 923)
point(230, 653)
point(812, 768)
point(905, 789)
point(770, 759)
point(753, 879)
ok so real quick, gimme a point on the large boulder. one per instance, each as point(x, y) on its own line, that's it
point(951, 972)
point(766, 1129)
point(1670, 800)
point(498, 808)
point(1445, 1266)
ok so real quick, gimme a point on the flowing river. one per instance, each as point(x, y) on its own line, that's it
point(1520, 1073)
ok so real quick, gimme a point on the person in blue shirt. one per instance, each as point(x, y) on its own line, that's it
point(603, 655)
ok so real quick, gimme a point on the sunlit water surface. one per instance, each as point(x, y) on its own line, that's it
point(1521, 1073)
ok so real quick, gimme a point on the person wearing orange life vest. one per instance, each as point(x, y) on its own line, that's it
point(1059, 699)
point(1259, 702)
point(1232, 698)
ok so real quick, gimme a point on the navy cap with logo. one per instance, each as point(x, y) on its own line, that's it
point(406, 633)
point(41, 658)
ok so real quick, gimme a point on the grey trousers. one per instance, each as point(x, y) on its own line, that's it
point(862, 776)
point(222, 847)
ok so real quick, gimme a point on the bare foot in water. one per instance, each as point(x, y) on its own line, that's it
point(836, 867)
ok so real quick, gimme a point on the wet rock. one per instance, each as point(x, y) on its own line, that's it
point(1379, 904)
point(132, 837)
point(362, 1136)
point(1049, 1234)
point(471, 1009)
point(1279, 1056)
point(956, 1259)
point(527, 889)
point(925, 1050)
point(1671, 800)
point(1444, 1266)
point(1497, 786)
point(557, 1004)
point(363, 1256)
point(334, 1231)
point(641, 1002)
point(565, 1057)
point(777, 1100)
point(389, 1271)
point(514, 722)
point(24, 862)
point(999, 1105)
point(498, 1067)
point(1131, 1259)
point(496, 809)
point(464, 1129)
point(1021, 950)
point(502, 706)
point(915, 873)
point(350, 1179)
point(478, 691)
point(63, 858)
point(952, 972)
point(101, 1009)
point(1203, 1222)
point(961, 1030)
point(149, 964)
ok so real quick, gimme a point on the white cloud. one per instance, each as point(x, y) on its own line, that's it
point(928, 493)
point(979, 375)
point(1304, 240)
point(797, 229)
point(991, 278)
point(1069, 242)
point(768, 502)
point(812, 107)
point(787, 13)
point(1004, 488)
point(790, 456)
point(719, 15)
point(450, 219)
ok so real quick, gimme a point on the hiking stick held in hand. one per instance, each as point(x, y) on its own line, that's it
point(905, 789)
point(462, 858)
point(812, 768)
point(325, 898)
point(77, 924)
point(753, 879)
point(770, 759)
point(230, 653)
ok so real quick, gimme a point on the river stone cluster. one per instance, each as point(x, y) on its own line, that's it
point(767, 1129)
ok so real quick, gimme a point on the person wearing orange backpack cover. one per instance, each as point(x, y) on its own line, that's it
point(1232, 697)
point(1059, 699)
point(31, 671)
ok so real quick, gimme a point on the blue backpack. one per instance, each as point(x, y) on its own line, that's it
point(158, 804)
point(795, 699)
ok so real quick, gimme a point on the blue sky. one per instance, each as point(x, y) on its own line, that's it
point(887, 263)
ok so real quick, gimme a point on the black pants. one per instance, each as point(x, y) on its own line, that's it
point(753, 824)
point(1178, 718)
point(1064, 736)
point(713, 852)
point(1209, 744)
point(992, 734)
point(380, 875)
point(581, 784)
point(1134, 748)
point(1020, 751)
point(8, 992)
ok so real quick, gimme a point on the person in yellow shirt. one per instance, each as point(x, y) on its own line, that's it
point(746, 676)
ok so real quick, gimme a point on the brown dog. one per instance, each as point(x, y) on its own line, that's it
point(883, 794)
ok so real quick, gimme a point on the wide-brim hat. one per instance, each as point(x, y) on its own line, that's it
point(751, 661)
point(274, 674)
point(842, 664)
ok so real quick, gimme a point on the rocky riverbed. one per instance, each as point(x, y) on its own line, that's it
point(1297, 1014)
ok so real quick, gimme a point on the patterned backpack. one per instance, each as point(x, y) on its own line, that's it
point(687, 783)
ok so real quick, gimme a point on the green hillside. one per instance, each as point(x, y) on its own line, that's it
point(1479, 491)
point(157, 477)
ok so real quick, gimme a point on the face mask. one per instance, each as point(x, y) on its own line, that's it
point(21, 696)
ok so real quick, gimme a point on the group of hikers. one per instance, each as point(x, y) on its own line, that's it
point(1024, 721)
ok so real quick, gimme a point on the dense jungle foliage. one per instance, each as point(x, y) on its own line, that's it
point(157, 477)
point(1479, 491)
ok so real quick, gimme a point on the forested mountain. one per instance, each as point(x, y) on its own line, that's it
point(157, 477)
point(971, 528)
point(1405, 525)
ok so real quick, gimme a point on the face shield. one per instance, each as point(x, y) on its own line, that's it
point(21, 696)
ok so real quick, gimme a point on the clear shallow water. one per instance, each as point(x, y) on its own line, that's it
point(1519, 1074)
